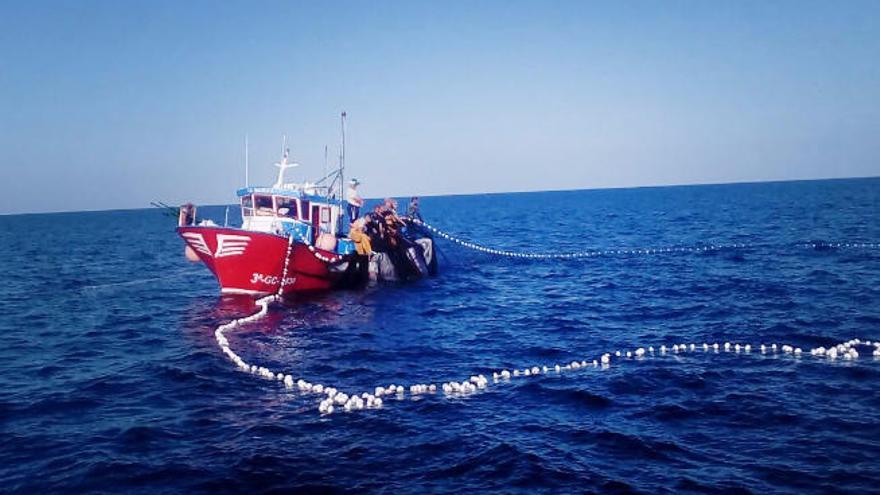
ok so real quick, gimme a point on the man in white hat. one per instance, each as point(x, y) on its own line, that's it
point(354, 200)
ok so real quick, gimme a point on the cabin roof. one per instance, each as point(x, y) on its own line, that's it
point(288, 193)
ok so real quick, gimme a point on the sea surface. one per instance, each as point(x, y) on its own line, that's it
point(111, 380)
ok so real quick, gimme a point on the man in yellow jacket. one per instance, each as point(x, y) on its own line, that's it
point(361, 240)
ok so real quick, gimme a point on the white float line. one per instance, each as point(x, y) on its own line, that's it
point(643, 251)
point(841, 245)
point(319, 256)
point(334, 399)
point(284, 269)
point(316, 254)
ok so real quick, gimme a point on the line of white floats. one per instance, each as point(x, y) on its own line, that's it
point(332, 260)
point(611, 252)
point(335, 400)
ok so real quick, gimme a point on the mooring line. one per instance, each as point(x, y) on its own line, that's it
point(139, 281)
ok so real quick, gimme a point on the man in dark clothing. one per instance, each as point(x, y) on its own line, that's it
point(412, 211)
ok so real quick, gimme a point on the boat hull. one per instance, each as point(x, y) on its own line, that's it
point(248, 262)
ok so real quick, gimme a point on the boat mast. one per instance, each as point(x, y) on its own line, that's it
point(342, 161)
point(247, 174)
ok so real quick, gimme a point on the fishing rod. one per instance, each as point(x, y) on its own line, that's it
point(169, 211)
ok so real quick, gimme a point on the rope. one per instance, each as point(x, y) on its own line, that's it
point(97, 287)
point(639, 251)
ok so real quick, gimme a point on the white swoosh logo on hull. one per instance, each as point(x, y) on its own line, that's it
point(197, 242)
point(231, 245)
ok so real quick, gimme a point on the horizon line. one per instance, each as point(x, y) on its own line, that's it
point(649, 186)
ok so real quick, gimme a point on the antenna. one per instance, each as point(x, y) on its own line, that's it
point(247, 181)
point(283, 165)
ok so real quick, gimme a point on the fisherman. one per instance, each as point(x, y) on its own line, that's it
point(373, 230)
point(382, 225)
point(392, 222)
point(390, 204)
point(412, 211)
point(354, 200)
point(357, 233)
point(186, 215)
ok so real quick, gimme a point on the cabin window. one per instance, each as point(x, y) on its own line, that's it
point(286, 207)
point(305, 211)
point(325, 220)
point(247, 205)
point(263, 206)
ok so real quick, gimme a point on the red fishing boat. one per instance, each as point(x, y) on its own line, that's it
point(292, 238)
point(252, 262)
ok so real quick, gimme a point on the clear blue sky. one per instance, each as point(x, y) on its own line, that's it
point(114, 104)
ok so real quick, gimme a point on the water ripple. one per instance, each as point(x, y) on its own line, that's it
point(110, 380)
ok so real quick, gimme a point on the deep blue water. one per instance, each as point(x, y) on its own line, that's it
point(111, 381)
